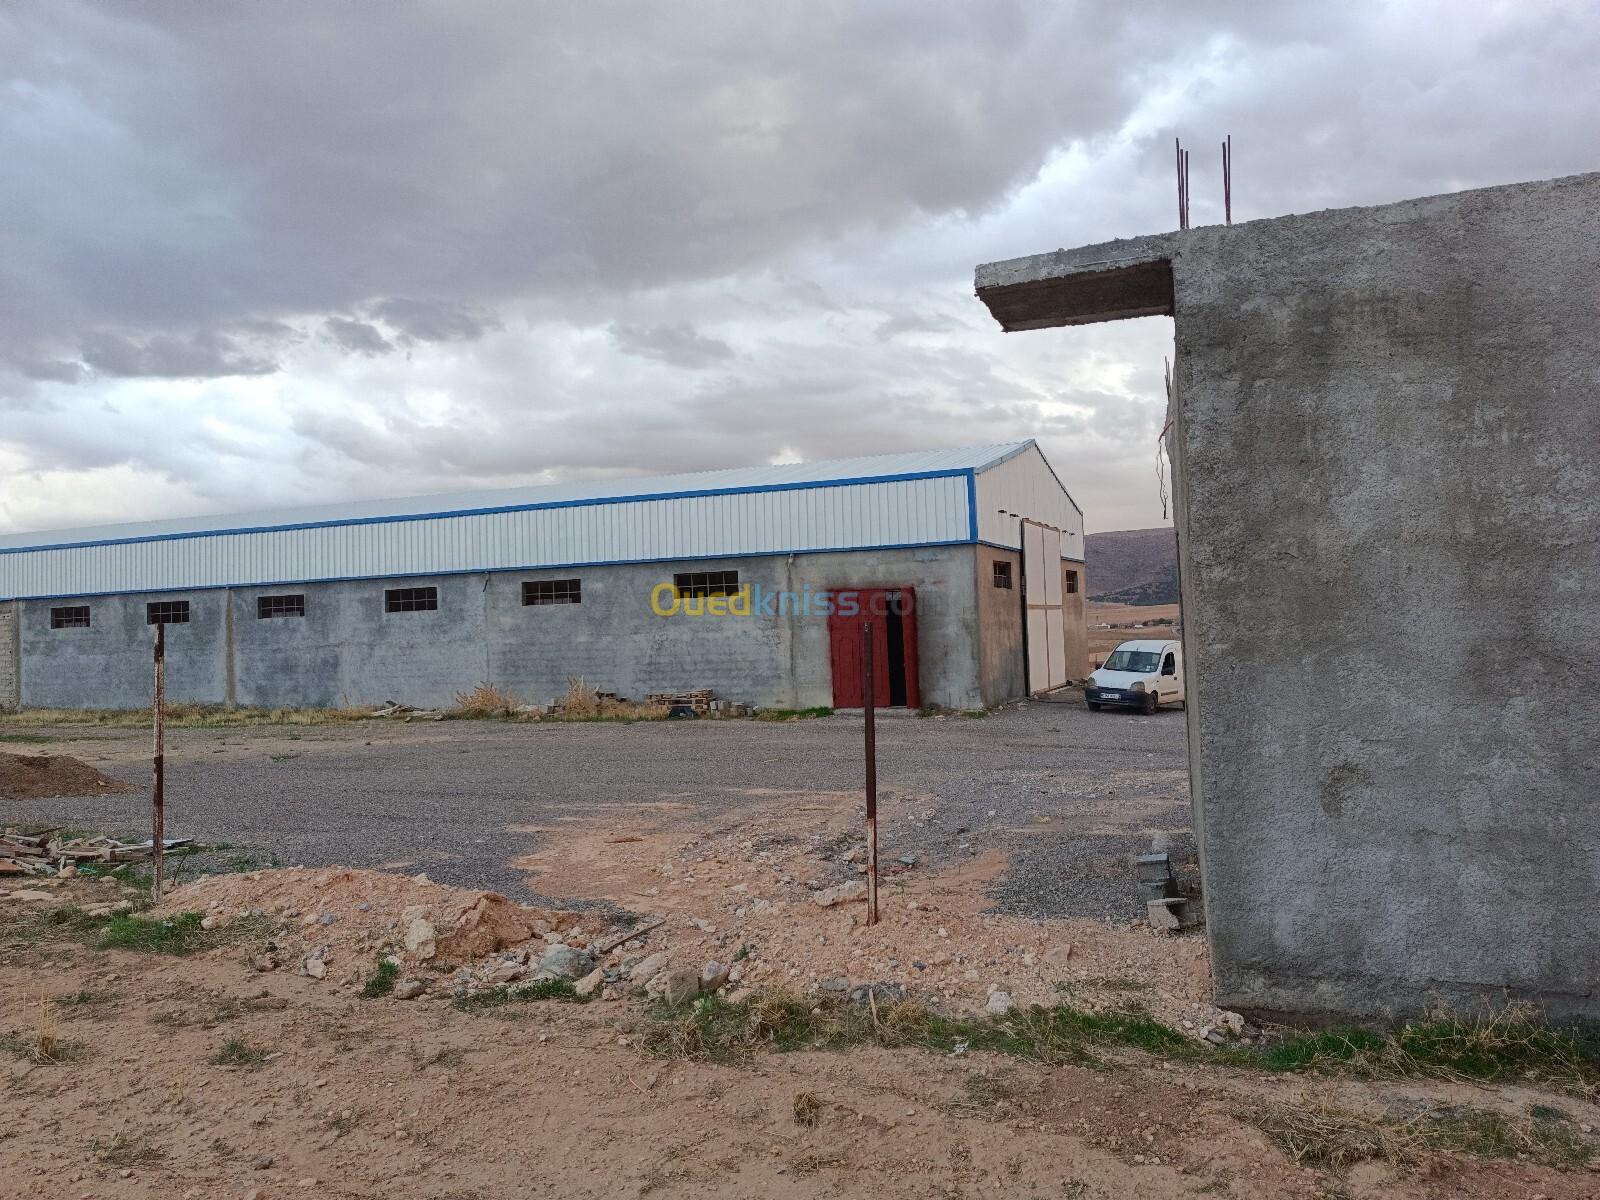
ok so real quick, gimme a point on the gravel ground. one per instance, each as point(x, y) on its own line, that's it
point(1068, 794)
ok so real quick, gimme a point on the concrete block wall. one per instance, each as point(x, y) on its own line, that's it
point(10, 655)
point(348, 650)
point(1387, 469)
point(1388, 458)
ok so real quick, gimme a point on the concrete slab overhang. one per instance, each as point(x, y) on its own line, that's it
point(1112, 281)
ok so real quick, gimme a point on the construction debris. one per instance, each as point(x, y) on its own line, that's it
point(46, 853)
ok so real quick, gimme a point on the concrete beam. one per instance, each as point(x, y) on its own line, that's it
point(1112, 281)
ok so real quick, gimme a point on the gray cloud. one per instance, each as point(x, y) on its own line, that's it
point(358, 337)
point(204, 355)
point(434, 320)
point(568, 216)
point(678, 345)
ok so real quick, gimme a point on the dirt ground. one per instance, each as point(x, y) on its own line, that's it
point(47, 776)
point(1121, 617)
point(207, 1077)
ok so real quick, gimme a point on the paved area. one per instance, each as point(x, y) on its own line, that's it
point(1068, 794)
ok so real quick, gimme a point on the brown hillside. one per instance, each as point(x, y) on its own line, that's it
point(1133, 566)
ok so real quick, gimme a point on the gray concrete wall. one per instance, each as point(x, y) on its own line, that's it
point(348, 650)
point(1389, 511)
point(10, 655)
point(1387, 451)
point(109, 664)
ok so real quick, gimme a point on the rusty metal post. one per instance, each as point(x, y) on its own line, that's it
point(158, 798)
point(868, 701)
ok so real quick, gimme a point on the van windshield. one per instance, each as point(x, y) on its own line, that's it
point(1141, 662)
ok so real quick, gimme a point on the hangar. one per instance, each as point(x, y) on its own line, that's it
point(752, 582)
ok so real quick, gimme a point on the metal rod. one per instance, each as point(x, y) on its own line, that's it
point(868, 702)
point(1182, 160)
point(158, 798)
point(1227, 180)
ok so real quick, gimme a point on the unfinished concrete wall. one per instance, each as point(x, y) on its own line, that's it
point(10, 655)
point(1388, 458)
point(1075, 612)
point(1000, 657)
point(347, 649)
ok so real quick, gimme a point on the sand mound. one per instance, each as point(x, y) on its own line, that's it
point(44, 776)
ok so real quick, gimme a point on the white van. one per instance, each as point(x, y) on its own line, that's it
point(1142, 675)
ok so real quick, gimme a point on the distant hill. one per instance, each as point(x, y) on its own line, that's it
point(1133, 566)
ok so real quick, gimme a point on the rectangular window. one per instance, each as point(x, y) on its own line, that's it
point(280, 606)
point(423, 599)
point(166, 612)
point(1002, 575)
point(706, 583)
point(1069, 583)
point(74, 617)
point(552, 591)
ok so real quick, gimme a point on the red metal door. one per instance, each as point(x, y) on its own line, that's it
point(892, 612)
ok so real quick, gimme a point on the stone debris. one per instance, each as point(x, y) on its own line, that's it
point(1000, 1003)
point(594, 980)
point(564, 962)
point(844, 893)
point(409, 988)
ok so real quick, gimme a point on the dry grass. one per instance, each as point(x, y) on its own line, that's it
point(43, 1044)
point(585, 703)
point(485, 700)
point(807, 1110)
point(183, 715)
point(1317, 1133)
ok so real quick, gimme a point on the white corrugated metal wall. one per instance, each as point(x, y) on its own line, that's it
point(1024, 485)
point(904, 512)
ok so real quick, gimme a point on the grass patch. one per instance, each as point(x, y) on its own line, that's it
point(710, 1028)
point(188, 716)
point(236, 1052)
point(178, 935)
point(939, 710)
point(807, 1110)
point(382, 980)
point(127, 1150)
point(24, 739)
point(1316, 1133)
point(83, 1001)
point(489, 999)
point(1502, 1044)
point(41, 1047)
point(793, 714)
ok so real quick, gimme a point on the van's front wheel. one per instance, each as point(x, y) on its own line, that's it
point(1151, 703)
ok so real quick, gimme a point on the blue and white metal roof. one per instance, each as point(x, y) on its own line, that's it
point(877, 502)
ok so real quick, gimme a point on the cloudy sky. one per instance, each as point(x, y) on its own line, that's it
point(260, 254)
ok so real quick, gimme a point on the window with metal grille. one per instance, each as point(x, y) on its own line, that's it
point(1069, 582)
point(74, 616)
point(280, 606)
point(706, 583)
point(166, 612)
point(1002, 575)
point(421, 599)
point(552, 591)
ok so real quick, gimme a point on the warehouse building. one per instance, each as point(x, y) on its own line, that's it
point(754, 583)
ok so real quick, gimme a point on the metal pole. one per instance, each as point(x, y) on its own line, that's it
point(158, 797)
point(868, 699)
